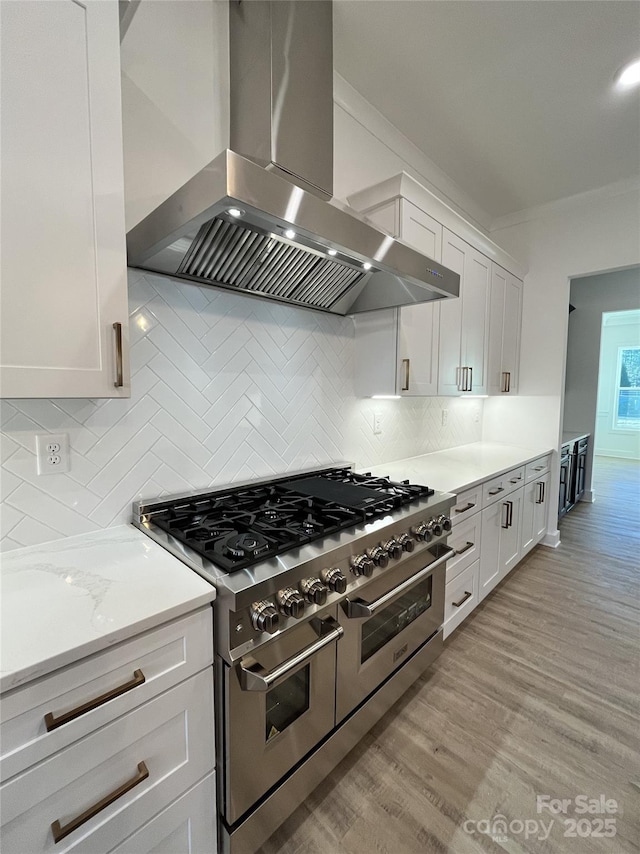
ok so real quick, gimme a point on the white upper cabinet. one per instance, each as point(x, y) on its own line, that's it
point(504, 331)
point(464, 323)
point(63, 268)
point(397, 349)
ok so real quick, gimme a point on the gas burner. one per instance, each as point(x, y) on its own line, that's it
point(246, 545)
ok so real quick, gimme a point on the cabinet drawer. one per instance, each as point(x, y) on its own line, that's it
point(496, 488)
point(537, 468)
point(467, 503)
point(461, 597)
point(170, 739)
point(188, 825)
point(164, 657)
point(465, 539)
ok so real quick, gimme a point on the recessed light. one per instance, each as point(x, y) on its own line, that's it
point(332, 251)
point(367, 265)
point(235, 212)
point(290, 233)
point(629, 76)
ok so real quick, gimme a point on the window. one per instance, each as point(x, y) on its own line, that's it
point(627, 402)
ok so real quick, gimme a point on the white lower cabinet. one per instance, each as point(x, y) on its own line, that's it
point(187, 826)
point(534, 513)
point(461, 597)
point(500, 540)
point(94, 754)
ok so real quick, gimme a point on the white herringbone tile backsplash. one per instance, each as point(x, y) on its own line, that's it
point(224, 388)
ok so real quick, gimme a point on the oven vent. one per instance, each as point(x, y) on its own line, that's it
point(232, 256)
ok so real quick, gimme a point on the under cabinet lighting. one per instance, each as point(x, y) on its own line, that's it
point(386, 396)
point(629, 76)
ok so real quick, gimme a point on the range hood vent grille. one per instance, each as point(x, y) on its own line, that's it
point(228, 254)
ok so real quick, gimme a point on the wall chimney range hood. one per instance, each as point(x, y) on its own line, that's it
point(256, 219)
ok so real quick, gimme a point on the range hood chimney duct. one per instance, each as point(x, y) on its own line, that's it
point(256, 219)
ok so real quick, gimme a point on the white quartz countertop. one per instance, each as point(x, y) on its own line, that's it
point(573, 436)
point(67, 599)
point(460, 468)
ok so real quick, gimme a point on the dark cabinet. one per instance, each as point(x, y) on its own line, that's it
point(565, 501)
point(580, 450)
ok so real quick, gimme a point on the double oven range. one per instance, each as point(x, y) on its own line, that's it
point(330, 603)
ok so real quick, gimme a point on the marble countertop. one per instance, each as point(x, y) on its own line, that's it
point(460, 468)
point(70, 598)
point(573, 436)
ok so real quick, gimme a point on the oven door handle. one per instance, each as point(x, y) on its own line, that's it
point(357, 608)
point(328, 631)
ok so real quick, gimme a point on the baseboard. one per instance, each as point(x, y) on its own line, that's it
point(551, 540)
point(589, 496)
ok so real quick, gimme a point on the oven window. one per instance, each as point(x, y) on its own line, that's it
point(286, 702)
point(379, 630)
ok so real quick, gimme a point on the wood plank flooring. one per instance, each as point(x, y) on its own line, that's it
point(535, 694)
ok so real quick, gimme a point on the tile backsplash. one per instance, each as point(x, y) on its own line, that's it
point(224, 388)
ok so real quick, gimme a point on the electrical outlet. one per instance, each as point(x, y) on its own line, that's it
point(377, 423)
point(445, 417)
point(52, 453)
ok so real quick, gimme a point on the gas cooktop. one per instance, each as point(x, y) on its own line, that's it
point(237, 528)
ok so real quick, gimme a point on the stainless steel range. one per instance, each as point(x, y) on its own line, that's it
point(330, 604)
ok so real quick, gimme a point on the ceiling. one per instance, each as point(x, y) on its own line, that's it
point(513, 99)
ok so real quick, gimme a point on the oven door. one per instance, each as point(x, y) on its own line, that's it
point(397, 613)
point(278, 703)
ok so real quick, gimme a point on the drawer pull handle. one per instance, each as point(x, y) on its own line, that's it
point(117, 328)
point(465, 508)
point(496, 491)
point(406, 365)
point(538, 468)
point(60, 830)
point(515, 479)
point(465, 548)
point(52, 722)
point(467, 595)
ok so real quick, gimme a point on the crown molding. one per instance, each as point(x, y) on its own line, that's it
point(427, 172)
point(568, 203)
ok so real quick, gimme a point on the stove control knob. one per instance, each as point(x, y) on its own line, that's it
point(445, 521)
point(436, 527)
point(334, 579)
point(393, 548)
point(362, 565)
point(290, 602)
point(422, 531)
point(407, 542)
point(313, 591)
point(264, 617)
point(379, 556)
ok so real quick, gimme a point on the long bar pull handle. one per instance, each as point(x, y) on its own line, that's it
point(470, 380)
point(509, 513)
point(508, 380)
point(504, 382)
point(119, 373)
point(496, 490)
point(544, 491)
point(359, 608)
point(62, 830)
point(505, 517)
point(51, 722)
point(464, 548)
point(253, 680)
point(467, 595)
point(464, 509)
point(539, 499)
point(406, 366)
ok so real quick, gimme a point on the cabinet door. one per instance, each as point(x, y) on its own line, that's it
point(540, 508)
point(510, 532)
point(63, 236)
point(511, 332)
point(420, 230)
point(454, 256)
point(474, 343)
point(492, 520)
point(530, 497)
point(376, 352)
point(419, 327)
point(497, 382)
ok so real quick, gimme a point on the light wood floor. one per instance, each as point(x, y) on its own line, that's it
point(536, 694)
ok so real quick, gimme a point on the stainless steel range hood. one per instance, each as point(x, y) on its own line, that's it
point(255, 219)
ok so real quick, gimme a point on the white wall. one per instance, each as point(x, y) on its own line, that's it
point(581, 236)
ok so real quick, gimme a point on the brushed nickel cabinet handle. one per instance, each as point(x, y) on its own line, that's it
point(465, 508)
point(119, 374)
point(62, 830)
point(51, 722)
point(467, 595)
point(406, 366)
point(504, 387)
point(465, 548)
